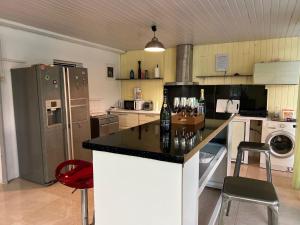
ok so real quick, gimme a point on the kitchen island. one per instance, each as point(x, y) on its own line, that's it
point(142, 177)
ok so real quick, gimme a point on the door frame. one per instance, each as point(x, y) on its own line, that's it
point(2, 141)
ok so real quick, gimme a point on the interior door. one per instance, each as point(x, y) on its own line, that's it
point(79, 112)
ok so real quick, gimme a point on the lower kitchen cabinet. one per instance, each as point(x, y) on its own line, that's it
point(240, 130)
point(146, 118)
point(127, 120)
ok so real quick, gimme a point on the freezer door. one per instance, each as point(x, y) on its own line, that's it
point(78, 79)
point(50, 98)
point(79, 118)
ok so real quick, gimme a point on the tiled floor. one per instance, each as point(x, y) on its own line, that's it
point(25, 203)
point(251, 214)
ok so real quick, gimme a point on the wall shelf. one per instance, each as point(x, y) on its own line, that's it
point(214, 76)
point(161, 78)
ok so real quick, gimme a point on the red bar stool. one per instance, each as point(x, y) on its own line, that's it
point(78, 175)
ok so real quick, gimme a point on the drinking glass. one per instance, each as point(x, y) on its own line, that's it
point(176, 104)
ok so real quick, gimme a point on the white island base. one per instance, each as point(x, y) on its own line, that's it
point(130, 190)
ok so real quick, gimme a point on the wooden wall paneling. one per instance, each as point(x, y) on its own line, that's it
point(242, 57)
point(294, 48)
point(275, 49)
point(169, 65)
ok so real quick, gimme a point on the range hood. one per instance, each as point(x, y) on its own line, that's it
point(184, 66)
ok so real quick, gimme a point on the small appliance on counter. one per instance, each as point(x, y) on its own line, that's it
point(137, 93)
point(138, 104)
point(133, 104)
point(227, 106)
point(128, 104)
point(148, 105)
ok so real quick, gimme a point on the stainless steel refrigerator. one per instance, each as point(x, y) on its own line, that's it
point(51, 106)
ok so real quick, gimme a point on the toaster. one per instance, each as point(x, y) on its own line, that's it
point(148, 105)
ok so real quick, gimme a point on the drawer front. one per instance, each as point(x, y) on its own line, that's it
point(128, 120)
point(146, 118)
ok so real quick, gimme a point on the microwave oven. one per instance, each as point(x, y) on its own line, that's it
point(129, 104)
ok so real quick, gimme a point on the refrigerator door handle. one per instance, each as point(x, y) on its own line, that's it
point(69, 152)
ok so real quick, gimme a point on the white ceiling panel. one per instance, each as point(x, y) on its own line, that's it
point(125, 24)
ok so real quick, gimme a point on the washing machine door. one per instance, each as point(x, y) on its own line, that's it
point(282, 144)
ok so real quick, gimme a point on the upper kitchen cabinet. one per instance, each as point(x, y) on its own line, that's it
point(277, 73)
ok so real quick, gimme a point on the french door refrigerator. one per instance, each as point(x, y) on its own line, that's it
point(51, 106)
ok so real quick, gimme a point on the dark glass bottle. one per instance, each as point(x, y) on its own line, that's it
point(202, 106)
point(165, 141)
point(165, 114)
point(131, 74)
point(139, 70)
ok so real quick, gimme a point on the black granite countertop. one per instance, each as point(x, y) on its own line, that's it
point(146, 140)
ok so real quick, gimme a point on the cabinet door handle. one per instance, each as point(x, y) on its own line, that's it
point(122, 114)
point(149, 115)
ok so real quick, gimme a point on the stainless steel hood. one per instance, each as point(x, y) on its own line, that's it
point(184, 66)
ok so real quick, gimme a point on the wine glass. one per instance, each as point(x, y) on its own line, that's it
point(189, 106)
point(183, 105)
point(176, 104)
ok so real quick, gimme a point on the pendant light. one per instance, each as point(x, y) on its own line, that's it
point(154, 45)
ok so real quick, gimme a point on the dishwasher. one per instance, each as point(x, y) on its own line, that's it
point(103, 125)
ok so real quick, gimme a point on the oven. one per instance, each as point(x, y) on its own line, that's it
point(104, 125)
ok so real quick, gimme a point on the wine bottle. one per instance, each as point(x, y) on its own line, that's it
point(165, 141)
point(131, 74)
point(156, 71)
point(139, 70)
point(202, 105)
point(165, 114)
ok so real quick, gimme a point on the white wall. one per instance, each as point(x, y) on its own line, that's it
point(32, 48)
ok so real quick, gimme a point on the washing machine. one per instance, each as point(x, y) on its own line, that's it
point(281, 138)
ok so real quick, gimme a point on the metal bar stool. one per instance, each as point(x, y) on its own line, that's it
point(253, 147)
point(250, 190)
point(79, 176)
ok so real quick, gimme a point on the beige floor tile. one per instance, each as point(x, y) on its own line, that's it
point(25, 203)
point(251, 214)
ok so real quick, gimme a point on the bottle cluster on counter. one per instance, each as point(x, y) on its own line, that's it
point(189, 111)
point(188, 107)
point(187, 123)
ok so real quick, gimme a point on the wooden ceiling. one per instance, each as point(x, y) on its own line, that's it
point(125, 24)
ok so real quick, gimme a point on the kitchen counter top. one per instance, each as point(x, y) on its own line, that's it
point(238, 116)
point(145, 141)
point(118, 110)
